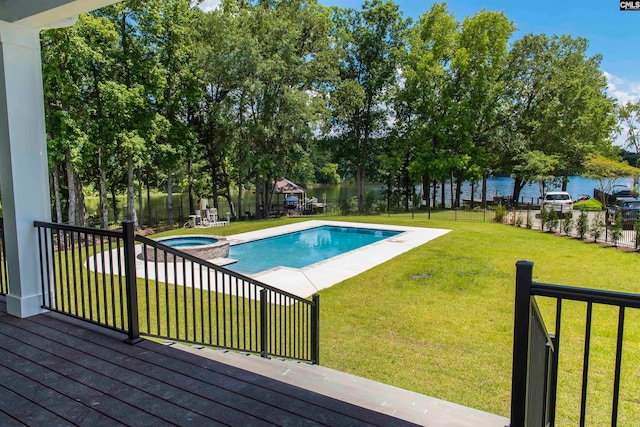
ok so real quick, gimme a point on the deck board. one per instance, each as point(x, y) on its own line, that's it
point(59, 371)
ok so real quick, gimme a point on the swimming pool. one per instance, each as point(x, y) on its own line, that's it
point(302, 248)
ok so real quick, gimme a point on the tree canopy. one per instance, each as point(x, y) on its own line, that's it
point(160, 94)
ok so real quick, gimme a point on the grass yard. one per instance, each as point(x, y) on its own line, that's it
point(439, 319)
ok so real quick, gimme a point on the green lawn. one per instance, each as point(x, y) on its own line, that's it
point(439, 319)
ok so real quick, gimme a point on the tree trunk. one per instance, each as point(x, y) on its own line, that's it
point(56, 193)
point(103, 202)
point(388, 192)
point(71, 185)
point(131, 194)
point(434, 193)
point(565, 181)
point(268, 195)
point(360, 185)
point(459, 180)
point(451, 194)
point(149, 202)
point(192, 205)
point(232, 207)
point(114, 202)
point(518, 185)
point(442, 194)
point(81, 214)
point(258, 199)
point(473, 192)
point(240, 212)
point(426, 188)
point(140, 200)
point(484, 189)
point(170, 195)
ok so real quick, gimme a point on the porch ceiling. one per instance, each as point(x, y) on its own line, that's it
point(46, 13)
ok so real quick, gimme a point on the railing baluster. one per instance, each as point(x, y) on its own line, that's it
point(616, 380)
point(147, 294)
point(87, 258)
point(585, 366)
point(175, 294)
point(73, 273)
point(201, 304)
point(217, 311)
point(193, 299)
point(209, 309)
point(264, 321)
point(133, 329)
point(166, 291)
point(111, 282)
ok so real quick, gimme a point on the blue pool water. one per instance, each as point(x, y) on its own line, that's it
point(302, 248)
point(183, 242)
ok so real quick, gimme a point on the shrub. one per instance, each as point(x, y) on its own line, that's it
point(636, 228)
point(588, 205)
point(518, 220)
point(597, 226)
point(582, 224)
point(529, 220)
point(544, 218)
point(616, 230)
point(553, 220)
point(567, 223)
point(347, 206)
point(501, 212)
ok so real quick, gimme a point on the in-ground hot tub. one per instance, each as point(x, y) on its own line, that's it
point(204, 247)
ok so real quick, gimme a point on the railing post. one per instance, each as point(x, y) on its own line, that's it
point(315, 330)
point(522, 318)
point(264, 333)
point(131, 283)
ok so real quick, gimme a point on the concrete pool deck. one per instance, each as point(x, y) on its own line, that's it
point(306, 281)
point(302, 282)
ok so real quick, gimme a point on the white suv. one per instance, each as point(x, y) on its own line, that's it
point(560, 201)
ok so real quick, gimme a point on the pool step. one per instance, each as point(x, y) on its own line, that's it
point(399, 403)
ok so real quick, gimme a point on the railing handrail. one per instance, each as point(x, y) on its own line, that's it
point(525, 305)
point(218, 268)
point(620, 299)
point(78, 229)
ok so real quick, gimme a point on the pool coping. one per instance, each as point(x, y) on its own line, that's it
point(307, 281)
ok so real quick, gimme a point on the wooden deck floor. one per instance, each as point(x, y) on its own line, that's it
point(57, 372)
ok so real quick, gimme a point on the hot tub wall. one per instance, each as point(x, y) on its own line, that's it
point(220, 249)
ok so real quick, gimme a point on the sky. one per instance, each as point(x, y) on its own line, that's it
point(613, 33)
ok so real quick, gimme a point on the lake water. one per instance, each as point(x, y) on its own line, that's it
point(496, 186)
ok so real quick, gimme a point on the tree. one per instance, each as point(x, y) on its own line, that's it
point(283, 96)
point(629, 116)
point(555, 103)
point(368, 43)
point(607, 172)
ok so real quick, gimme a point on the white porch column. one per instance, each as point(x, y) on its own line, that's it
point(23, 163)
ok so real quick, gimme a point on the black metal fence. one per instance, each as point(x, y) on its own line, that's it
point(95, 275)
point(4, 276)
point(536, 353)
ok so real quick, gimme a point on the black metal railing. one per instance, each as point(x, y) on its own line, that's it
point(94, 275)
point(536, 354)
point(192, 300)
point(4, 275)
point(84, 274)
